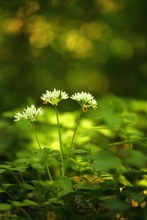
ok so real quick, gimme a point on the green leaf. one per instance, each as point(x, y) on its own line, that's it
point(27, 186)
point(81, 151)
point(40, 183)
point(105, 161)
point(25, 202)
point(2, 171)
point(7, 167)
point(85, 186)
point(52, 161)
point(5, 206)
point(6, 185)
point(116, 205)
point(17, 204)
point(54, 200)
point(64, 186)
point(2, 190)
point(122, 179)
point(136, 158)
point(20, 169)
point(138, 197)
point(143, 181)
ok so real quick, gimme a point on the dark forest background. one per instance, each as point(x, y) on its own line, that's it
point(98, 46)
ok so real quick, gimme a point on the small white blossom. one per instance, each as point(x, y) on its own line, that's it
point(85, 99)
point(18, 116)
point(30, 113)
point(53, 97)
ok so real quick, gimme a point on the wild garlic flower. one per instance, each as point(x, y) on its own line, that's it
point(30, 113)
point(86, 100)
point(53, 97)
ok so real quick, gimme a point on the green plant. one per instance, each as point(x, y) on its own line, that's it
point(97, 172)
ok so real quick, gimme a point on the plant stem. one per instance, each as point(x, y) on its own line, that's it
point(26, 213)
point(9, 194)
point(74, 134)
point(42, 153)
point(73, 137)
point(60, 141)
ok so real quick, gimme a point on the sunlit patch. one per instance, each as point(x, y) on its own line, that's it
point(78, 43)
point(40, 31)
point(86, 123)
point(109, 5)
point(67, 120)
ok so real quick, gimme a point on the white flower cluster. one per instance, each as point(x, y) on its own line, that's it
point(30, 113)
point(85, 99)
point(54, 97)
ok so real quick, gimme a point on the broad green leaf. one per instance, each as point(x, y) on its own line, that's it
point(105, 161)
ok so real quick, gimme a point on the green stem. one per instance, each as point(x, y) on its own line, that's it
point(42, 153)
point(26, 213)
point(73, 137)
point(74, 134)
point(9, 195)
point(60, 141)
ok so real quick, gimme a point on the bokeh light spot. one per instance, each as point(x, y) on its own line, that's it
point(78, 43)
point(40, 31)
point(13, 25)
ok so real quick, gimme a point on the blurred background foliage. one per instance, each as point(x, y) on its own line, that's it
point(74, 45)
point(98, 46)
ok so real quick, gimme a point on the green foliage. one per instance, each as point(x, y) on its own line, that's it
point(105, 161)
point(105, 177)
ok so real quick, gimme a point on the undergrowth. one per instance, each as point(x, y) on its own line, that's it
point(84, 164)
